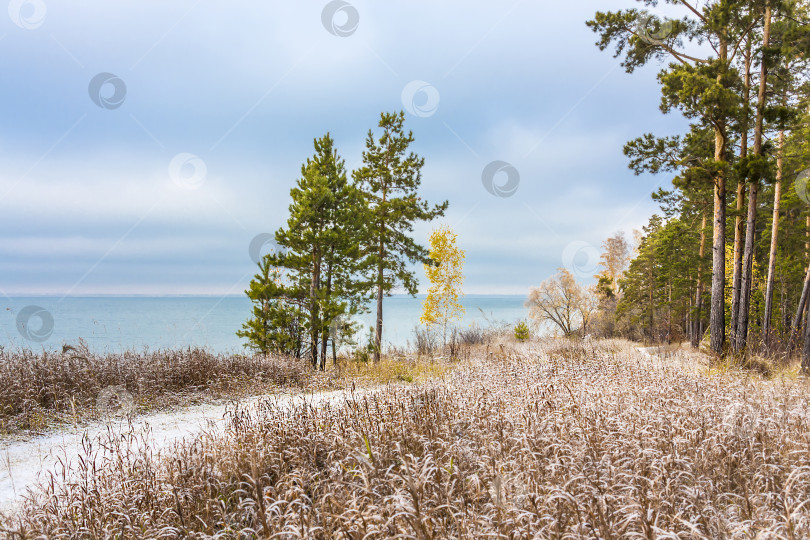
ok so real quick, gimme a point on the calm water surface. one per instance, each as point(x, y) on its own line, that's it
point(114, 324)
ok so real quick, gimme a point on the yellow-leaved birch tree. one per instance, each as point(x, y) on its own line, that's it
point(443, 302)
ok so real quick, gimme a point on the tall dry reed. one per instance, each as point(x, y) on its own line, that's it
point(577, 441)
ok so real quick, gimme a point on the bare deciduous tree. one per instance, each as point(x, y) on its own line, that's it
point(563, 301)
point(615, 258)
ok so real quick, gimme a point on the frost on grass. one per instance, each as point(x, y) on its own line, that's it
point(39, 387)
point(544, 441)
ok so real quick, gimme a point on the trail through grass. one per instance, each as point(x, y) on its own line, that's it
point(550, 440)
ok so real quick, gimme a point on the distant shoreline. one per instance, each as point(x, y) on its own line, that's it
point(116, 322)
point(100, 295)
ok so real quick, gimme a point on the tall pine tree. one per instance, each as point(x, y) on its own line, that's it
point(389, 180)
point(321, 244)
point(705, 88)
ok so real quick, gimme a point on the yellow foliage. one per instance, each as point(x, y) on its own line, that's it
point(394, 370)
point(446, 277)
point(757, 282)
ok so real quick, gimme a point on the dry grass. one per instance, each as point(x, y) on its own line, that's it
point(537, 441)
point(392, 369)
point(42, 388)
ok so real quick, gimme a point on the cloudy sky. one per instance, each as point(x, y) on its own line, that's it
point(143, 145)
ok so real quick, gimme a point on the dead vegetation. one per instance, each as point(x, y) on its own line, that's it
point(39, 389)
point(559, 441)
point(42, 390)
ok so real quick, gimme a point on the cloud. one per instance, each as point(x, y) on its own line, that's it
point(90, 205)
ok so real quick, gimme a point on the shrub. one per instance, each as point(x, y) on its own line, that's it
point(521, 331)
point(426, 340)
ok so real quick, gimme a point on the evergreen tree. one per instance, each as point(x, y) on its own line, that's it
point(638, 286)
point(690, 200)
point(522, 332)
point(321, 246)
point(706, 89)
point(276, 324)
point(788, 61)
point(389, 180)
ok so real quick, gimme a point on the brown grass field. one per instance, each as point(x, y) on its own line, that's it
point(536, 440)
point(42, 390)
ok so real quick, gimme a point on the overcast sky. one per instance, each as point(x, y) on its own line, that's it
point(143, 145)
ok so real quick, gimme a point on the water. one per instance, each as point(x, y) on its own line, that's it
point(118, 323)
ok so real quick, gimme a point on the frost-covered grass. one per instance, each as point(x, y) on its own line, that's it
point(45, 390)
point(42, 389)
point(550, 440)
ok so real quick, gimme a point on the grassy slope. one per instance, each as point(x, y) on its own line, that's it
point(45, 391)
point(543, 440)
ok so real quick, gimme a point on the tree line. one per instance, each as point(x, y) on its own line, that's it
point(346, 242)
point(729, 256)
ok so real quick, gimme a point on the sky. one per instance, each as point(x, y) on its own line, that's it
point(144, 145)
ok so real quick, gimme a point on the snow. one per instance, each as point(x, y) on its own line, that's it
point(24, 463)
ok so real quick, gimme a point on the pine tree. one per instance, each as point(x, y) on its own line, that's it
point(321, 245)
point(706, 89)
point(389, 180)
point(522, 331)
point(690, 201)
point(788, 55)
point(755, 90)
point(756, 172)
point(639, 284)
point(276, 325)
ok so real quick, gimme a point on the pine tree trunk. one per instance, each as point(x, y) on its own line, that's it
point(795, 327)
point(750, 232)
point(324, 349)
point(717, 316)
point(697, 324)
point(741, 333)
point(777, 195)
point(652, 306)
point(379, 326)
point(738, 220)
point(688, 316)
point(784, 298)
point(797, 319)
point(314, 330)
point(325, 330)
point(687, 320)
point(736, 279)
point(717, 321)
point(806, 355)
point(669, 317)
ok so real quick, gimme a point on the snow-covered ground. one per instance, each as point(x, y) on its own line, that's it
point(23, 463)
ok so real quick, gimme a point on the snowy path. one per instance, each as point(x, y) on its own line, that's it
point(22, 463)
point(646, 351)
